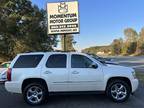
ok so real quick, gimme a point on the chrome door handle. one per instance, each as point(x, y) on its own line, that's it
point(75, 72)
point(48, 72)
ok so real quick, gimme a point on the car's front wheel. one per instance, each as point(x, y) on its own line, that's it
point(118, 90)
point(34, 94)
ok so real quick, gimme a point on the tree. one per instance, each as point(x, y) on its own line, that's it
point(117, 46)
point(23, 28)
point(97, 49)
point(69, 41)
point(130, 44)
point(140, 44)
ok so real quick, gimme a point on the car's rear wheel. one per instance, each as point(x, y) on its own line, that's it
point(34, 94)
point(118, 90)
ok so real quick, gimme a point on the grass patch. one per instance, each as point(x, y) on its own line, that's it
point(140, 76)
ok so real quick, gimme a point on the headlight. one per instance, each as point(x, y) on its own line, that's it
point(134, 74)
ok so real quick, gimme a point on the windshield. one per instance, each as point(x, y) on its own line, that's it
point(97, 58)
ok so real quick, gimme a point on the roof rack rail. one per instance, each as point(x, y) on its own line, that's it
point(63, 51)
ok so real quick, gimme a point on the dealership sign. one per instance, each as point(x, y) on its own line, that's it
point(63, 17)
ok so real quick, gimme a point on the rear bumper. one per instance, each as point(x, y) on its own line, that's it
point(13, 87)
point(135, 84)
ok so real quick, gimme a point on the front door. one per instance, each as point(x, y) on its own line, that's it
point(85, 74)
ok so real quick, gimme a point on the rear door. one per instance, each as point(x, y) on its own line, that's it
point(55, 72)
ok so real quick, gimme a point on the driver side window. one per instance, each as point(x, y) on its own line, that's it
point(80, 61)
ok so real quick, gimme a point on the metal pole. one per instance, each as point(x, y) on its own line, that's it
point(65, 42)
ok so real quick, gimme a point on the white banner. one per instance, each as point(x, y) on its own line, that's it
point(63, 17)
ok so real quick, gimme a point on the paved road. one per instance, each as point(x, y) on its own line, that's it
point(8, 100)
point(136, 62)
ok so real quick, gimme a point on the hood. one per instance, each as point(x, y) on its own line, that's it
point(118, 68)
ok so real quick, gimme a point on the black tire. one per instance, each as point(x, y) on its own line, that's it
point(113, 95)
point(37, 86)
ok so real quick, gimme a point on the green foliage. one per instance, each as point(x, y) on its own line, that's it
point(23, 28)
point(130, 35)
point(131, 48)
point(140, 43)
point(69, 41)
point(117, 46)
point(96, 49)
point(132, 44)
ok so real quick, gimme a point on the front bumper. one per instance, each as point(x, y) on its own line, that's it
point(134, 84)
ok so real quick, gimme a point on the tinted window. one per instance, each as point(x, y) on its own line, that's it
point(28, 61)
point(79, 61)
point(56, 61)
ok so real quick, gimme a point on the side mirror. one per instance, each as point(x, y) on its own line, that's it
point(94, 66)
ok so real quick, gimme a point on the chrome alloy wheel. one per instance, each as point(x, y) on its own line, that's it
point(118, 91)
point(34, 94)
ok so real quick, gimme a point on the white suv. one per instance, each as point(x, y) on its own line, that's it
point(38, 75)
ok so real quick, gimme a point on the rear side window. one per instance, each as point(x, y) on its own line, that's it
point(56, 61)
point(27, 61)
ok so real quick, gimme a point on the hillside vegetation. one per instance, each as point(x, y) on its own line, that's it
point(132, 44)
point(96, 49)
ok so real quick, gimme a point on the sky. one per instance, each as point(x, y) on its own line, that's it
point(101, 21)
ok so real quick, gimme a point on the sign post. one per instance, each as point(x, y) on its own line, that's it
point(64, 42)
point(63, 18)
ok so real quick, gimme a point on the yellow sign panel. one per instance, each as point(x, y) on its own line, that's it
point(63, 17)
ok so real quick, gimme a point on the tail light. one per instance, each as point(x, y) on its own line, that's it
point(9, 72)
